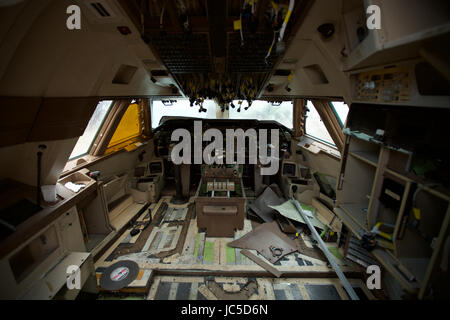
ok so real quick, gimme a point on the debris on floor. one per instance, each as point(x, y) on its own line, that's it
point(292, 254)
point(288, 210)
point(242, 294)
point(222, 288)
point(124, 277)
point(259, 260)
point(356, 253)
point(119, 275)
point(268, 240)
point(262, 205)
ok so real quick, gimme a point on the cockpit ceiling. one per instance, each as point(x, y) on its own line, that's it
point(198, 39)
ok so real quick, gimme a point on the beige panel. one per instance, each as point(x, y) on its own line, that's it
point(61, 118)
point(22, 166)
point(17, 116)
point(308, 48)
point(50, 60)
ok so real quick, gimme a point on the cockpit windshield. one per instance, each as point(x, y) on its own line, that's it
point(282, 112)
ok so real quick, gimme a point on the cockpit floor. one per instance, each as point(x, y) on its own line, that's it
point(172, 247)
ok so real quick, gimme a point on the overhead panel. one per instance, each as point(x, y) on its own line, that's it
point(222, 50)
point(184, 53)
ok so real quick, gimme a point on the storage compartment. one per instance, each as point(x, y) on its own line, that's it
point(389, 200)
point(378, 192)
point(33, 254)
point(364, 151)
point(77, 180)
point(416, 237)
point(400, 37)
point(94, 221)
point(147, 189)
point(220, 202)
point(16, 214)
point(354, 191)
point(123, 210)
point(114, 187)
point(417, 241)
point(399, 162)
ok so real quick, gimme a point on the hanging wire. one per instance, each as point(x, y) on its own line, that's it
point(240, 17)
point(271, 47)
point(286, 19)
point(161, 18)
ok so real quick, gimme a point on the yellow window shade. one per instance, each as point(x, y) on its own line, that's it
point(129, 129)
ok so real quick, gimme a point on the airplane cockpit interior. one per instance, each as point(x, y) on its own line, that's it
point(224, 150)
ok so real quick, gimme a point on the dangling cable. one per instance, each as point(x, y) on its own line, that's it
point(271, 46)
point(240, 17)
point(161, 19)
point(141, 11)
point(184, 14)
point(286, 19)
point(242, 36)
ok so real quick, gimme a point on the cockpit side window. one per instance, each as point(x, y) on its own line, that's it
point(325, 121)
point(315, 127)
point(84, 143)
point(128, 131)
point(341, 111)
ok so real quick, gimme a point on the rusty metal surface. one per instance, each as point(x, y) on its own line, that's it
point(268, 240)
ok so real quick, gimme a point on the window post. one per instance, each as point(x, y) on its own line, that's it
point(299, 117)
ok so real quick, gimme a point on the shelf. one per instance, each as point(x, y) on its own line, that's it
point(366, 156)
point(417, 266)
point(356, 212)
point(94, 241)
point(125, 216)
point(440, 193)
point(375, 52)
point(390, 264)
point(48, 286)
point(103, 242)
point(348, 221)
point(361, 136)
